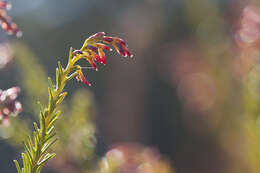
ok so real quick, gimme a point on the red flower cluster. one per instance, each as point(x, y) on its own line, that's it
point(93, 51)
point(6, 22)
point(8, 104)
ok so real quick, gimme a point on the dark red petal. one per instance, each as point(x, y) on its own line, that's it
point(82, 78)
point(95, 56)
point(108, 39)
point(121, 49)
point(86, 82)
point(104, 61)
point(91, 61)
point(98, 59)
point(107, 48)
point(94, 65)
point(118, 48)
point(103, 46)
point(102, 56)
point(121, 41)
point(128, 53)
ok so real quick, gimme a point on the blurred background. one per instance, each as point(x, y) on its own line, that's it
point(187, 102)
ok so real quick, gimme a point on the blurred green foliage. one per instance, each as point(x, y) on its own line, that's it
point(34, 78)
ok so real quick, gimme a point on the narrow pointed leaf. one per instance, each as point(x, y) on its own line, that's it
point(17, 166)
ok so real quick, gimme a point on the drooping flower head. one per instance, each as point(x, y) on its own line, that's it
point(6, 22)
point(93, 51)
point(9, 106)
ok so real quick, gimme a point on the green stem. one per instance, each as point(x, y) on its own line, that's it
point(36, 153)
point(57, 92)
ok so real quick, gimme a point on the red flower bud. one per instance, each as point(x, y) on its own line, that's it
point(82, 78)
point(108, 39)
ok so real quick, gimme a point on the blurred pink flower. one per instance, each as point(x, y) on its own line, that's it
point(134, 158)
point(6, 22)
point(6, 55)
point(247, 39)
point(9, 106)
point(248, 33)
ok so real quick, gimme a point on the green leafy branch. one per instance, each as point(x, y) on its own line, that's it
point(36, 148)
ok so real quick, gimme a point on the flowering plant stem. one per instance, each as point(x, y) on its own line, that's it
point(36, 149)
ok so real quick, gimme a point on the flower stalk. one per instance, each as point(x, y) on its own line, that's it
point(36, 148)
